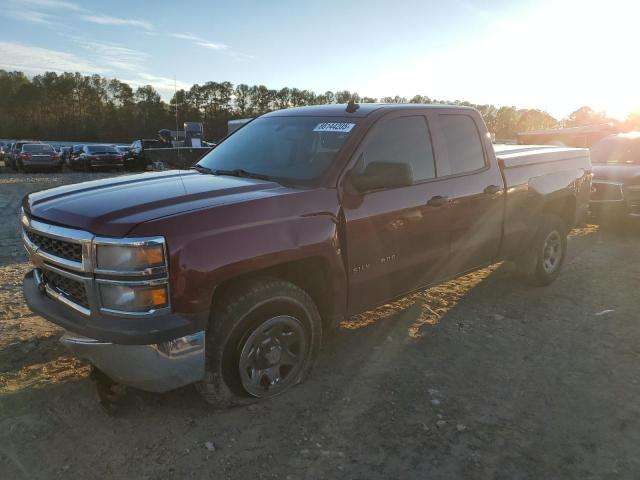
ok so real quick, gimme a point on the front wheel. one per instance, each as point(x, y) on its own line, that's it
point(262, 340)
point(540, 265)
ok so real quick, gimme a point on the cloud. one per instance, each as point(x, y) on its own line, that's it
point(187, 36)
point(221, 47)
point(31, 16)
point(164, 85)
point(16, 56)
point(125, 22)
point(36, 60)
point(51, 4)
point(114, 55)
point(213, 46)
point(200, 41)
point(121, 58)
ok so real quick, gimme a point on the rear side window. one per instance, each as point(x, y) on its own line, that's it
point(462, 143)
point(403, 140)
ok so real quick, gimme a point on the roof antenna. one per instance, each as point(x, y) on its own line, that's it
point(352, 106)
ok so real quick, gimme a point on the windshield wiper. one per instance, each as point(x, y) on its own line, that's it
point(236, 172)
point(202, 169)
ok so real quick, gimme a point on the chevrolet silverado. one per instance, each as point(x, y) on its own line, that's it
point(230, 274)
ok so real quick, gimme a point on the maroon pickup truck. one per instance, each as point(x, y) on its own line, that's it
point(229, 275)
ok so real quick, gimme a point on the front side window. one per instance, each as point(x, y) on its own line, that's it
point(403, 140)
point(462, 144)
point(286, 148)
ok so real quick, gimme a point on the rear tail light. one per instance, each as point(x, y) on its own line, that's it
point(25, 155)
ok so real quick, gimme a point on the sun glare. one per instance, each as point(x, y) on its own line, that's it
point(557, 56)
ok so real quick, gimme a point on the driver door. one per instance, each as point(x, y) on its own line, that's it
point(396, 241)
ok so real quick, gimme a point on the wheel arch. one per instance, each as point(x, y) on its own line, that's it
point(311, 274)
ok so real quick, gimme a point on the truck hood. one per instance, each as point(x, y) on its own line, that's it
point(625, 174)
point(112, 207)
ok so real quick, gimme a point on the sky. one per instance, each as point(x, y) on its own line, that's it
point(552, 55)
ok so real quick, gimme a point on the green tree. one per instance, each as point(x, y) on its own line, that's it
point(586, 116)
point(241, 94)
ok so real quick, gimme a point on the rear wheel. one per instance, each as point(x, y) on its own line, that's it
point(541, 263)
point(263, 339)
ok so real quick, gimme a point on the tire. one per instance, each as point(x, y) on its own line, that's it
point(262, 340)
point(542, 262)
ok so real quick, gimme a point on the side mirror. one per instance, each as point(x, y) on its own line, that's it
point(378, 175)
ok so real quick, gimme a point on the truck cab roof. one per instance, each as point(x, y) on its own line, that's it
point(364, 109)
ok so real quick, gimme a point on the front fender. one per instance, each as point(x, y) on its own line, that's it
point(208, 247)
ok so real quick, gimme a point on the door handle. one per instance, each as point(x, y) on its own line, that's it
point(438, 201)
point(492, 189)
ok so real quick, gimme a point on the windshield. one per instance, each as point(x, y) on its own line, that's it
point(37, 148)
point(619, 150)
point(287, 148)
point(101, 149)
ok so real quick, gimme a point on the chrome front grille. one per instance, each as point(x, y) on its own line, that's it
point(65, 261)
point(57, 247)
point(606, 192)
point(72, 290)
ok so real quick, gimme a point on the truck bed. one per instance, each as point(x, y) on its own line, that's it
point(534, 172)
point(513, 156)
point(555, 167)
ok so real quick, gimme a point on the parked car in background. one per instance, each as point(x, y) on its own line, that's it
point(76, 150)
point(124, 151)
point(97, 157)
point(230, 274)
point(615, 193)
point(38, 157)
point(16, 148)
point(135, 158)
point(4, 149)
point(583, 137)
point(65, 153)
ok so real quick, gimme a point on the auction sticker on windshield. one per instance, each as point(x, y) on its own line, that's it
point(339, 127)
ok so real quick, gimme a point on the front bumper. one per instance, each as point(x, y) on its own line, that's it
point(154, 368)
point(35, 163)
point(150, 354)
point(105, 164)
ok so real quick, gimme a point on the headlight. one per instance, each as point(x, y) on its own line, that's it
point(133, 298)
point(130, 256)
point(132, 275)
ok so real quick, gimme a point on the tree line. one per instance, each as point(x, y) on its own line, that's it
point(72, 106)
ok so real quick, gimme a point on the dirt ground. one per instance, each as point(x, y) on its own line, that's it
point(479, 378)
